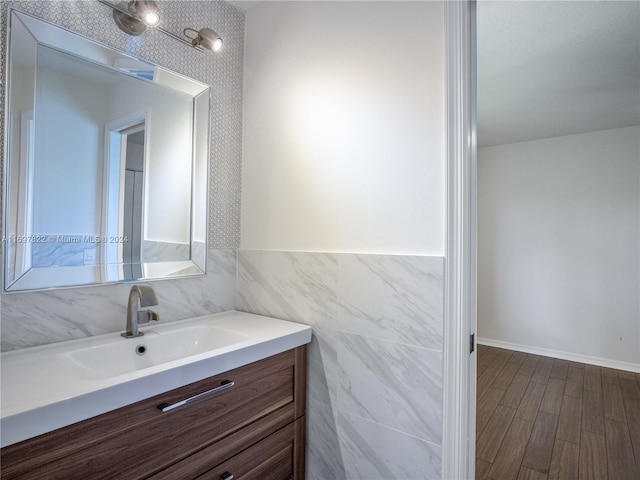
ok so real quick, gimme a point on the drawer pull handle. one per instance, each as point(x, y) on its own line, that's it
point(224, 385)
point(226, 476)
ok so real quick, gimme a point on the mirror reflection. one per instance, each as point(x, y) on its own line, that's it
point(103, 151)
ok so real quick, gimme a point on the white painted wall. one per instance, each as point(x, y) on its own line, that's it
point(68, 154)
point(558, 244)
point(343, 146)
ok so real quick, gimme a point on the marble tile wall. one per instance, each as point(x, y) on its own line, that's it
point(375, 362)
point(37, 318)
point(62, 250)
point(164, 251)
point(71, 250)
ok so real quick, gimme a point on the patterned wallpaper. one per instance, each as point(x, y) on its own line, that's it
point(222, 70)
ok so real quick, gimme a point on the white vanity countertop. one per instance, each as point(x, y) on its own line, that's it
point(42, 391)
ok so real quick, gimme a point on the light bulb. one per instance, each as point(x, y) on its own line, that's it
point(151, 19)
point(217, 44)
point(146, 11)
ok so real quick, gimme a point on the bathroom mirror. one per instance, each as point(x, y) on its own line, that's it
point(106, 164)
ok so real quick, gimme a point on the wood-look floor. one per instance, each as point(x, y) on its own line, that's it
point(542, 418)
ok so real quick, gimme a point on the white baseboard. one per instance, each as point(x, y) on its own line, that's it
point(573, 357)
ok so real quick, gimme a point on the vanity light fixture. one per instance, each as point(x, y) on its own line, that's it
point(205, 38)
point(133, 18)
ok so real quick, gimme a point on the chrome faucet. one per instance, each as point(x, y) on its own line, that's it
point(145, 296)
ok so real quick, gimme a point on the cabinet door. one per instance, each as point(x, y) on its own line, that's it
point(280, 456)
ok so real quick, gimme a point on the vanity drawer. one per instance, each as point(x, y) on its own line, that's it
point(139, 440)
point(273, 458)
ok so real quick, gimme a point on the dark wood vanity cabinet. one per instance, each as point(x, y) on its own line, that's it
point(251, 430)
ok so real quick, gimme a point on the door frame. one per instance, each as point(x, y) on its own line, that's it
point(459, 363)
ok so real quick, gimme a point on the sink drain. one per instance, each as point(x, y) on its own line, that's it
point(141, 349)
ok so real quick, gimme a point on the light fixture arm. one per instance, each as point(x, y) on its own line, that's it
point(180, 39)
point(114, 7)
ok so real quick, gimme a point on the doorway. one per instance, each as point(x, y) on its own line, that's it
point(133, 152)
point(124, 196)
point(558, 240)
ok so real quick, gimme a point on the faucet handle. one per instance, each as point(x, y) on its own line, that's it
point(144, 316)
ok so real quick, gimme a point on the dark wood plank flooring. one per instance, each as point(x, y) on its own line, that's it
point(548, 419)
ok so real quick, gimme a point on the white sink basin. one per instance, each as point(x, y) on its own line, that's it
point(48, 387)
point(125, 355)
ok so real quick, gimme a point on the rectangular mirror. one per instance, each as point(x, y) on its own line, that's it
point(107, 164)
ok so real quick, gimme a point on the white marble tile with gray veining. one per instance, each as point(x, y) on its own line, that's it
point(392, 297)
point(300, 287)
point(63, 250)
point(323, 368)
point(196, 296)
point(324, 459)
point(373, 452)
point(164, 251)
point(396, 385)
point(36, 318)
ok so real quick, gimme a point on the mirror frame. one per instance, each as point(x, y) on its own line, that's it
point(86, 49)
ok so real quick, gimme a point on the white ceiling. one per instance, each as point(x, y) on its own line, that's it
point(547, 69)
